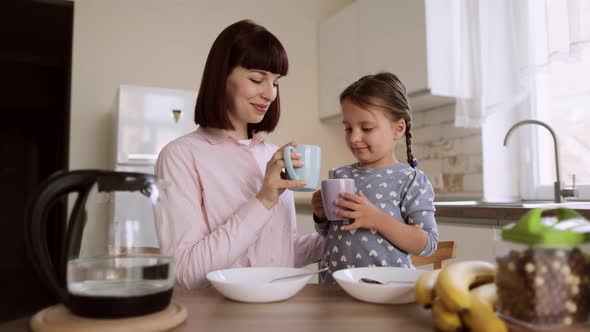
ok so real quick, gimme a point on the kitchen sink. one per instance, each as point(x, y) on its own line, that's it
point(518, 204)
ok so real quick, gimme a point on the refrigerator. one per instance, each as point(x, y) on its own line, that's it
point(148, 118)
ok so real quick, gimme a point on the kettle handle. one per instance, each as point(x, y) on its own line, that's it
point(40, 202)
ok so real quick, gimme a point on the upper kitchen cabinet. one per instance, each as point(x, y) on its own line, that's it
point(339, 57)
point(369, 36)
point(393, 38)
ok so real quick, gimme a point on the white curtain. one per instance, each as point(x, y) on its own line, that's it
point(485, 52)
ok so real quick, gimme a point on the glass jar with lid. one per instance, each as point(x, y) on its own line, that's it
point(543, 263)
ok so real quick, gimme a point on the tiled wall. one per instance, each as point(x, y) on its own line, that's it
point(451, 157)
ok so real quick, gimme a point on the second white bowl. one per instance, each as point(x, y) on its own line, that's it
point(350, 281)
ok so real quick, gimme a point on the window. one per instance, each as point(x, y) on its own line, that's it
point(561, 98)
point(509, 64)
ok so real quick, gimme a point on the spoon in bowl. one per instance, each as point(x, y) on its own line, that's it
point(300, 274)
point(376, 282)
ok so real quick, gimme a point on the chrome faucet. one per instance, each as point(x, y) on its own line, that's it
point(558, 192)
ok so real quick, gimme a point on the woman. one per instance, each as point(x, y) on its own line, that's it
point(227, 205)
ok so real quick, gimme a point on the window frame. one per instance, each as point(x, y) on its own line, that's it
point(530, 186)
point(503, 182)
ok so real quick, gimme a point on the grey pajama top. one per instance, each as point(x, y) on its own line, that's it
point(401, 191)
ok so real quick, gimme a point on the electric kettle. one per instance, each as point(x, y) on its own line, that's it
point(109, 264)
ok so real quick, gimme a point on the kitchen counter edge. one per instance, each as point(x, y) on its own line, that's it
point(497, 215)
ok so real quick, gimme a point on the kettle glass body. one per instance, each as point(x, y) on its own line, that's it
point(110, 263)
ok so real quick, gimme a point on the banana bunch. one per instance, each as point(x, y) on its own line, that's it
point(462, 297)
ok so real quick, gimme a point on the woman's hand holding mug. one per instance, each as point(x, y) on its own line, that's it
point(273, 184)
point(311, 155)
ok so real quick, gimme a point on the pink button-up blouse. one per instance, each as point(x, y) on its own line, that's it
point(210, 219)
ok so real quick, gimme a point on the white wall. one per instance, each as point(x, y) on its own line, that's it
point(164, 43)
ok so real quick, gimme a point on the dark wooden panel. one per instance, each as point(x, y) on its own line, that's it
point(35, 67)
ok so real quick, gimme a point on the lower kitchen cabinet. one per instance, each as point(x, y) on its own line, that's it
point(474, 242)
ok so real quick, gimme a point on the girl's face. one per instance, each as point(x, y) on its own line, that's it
point(371, 135)
point(249, 94)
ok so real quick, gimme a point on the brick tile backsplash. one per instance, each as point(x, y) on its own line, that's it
point(463, 164)
point(430, 166)
point(426, 134)
point(449, 131)
point(450, 156)
point(453, 183)
point(438, 116)
point(472, 182)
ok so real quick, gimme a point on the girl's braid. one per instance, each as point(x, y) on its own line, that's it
point(411, 160)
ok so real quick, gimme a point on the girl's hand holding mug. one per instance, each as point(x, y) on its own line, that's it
point(364, 213)
point(318, 205)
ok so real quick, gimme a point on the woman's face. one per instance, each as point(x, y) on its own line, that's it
point(250, 93)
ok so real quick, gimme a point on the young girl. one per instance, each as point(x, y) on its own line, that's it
point(392, 215)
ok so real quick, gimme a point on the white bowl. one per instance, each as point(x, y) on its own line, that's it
point(350, 281)
point(252, 284)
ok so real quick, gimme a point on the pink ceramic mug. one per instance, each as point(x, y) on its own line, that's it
point(331, 190)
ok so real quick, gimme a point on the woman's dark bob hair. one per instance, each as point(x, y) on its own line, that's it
point(245, 44)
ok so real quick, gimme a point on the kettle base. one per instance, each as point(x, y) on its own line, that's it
point(119, 306)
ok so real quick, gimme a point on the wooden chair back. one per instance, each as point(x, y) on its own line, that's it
point(445, 250)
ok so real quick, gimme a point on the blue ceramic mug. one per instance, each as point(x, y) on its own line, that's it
point(311, 156)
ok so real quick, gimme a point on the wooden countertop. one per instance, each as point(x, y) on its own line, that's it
point(315, 308)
